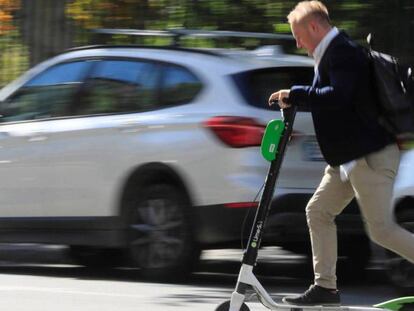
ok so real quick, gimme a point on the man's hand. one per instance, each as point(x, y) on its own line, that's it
point(279, 96)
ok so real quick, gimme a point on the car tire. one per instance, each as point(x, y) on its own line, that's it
point(161, 241)
point(94, 257)
point(400, 272)
point(354, 257)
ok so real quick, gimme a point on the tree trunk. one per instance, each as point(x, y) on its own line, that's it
point(45, 29)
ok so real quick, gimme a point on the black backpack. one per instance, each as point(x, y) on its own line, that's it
point(394, 86)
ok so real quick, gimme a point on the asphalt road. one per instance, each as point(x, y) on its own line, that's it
point(43, 278)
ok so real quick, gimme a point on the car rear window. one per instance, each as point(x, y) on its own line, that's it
point(256, 86)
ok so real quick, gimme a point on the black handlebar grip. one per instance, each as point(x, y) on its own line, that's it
point(275, 101)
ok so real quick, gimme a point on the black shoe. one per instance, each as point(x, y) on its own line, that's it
point(315, 295)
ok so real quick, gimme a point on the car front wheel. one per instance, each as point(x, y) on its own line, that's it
point(160, 233)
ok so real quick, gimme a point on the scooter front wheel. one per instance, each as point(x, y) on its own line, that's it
point(225, 306)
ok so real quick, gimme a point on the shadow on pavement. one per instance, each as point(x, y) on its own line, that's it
point(216, 267)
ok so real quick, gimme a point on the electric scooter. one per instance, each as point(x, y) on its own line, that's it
point(274, 142)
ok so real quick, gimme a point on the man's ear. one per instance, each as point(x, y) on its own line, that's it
point(313, 26)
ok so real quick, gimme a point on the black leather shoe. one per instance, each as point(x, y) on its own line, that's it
point(315, 295)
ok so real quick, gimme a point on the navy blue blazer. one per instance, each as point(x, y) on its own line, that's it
point(339, 98)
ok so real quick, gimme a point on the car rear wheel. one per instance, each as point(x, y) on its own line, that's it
point(160, 233)
point(354, 257)
point(400, 272)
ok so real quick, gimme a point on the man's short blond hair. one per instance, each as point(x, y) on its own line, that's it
point(305, 9)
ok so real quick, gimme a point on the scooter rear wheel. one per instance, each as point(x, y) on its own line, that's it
point(225, 306)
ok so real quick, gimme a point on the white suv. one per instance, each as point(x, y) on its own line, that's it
point(151, 150)
point(400, 272)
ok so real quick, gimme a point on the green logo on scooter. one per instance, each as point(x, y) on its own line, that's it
point(256, 236)
point(271, 139)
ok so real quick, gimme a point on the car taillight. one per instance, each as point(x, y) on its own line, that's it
point(237, 132)
point(242, 205)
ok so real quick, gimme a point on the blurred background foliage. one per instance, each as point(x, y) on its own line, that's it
point(33, 30)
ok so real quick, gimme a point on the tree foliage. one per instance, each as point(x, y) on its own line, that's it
point(391, 21)
point(385, 18)
point(7, 8)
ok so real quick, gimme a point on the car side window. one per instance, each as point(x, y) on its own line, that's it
point(60, 74)
point(179, 86)
point(49, 94)
point(117, 86)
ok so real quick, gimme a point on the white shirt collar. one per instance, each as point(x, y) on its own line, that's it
point(323, 45)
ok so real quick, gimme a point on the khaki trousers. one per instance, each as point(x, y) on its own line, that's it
point(371, 183)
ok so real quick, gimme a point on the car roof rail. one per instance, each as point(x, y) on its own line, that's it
point(178, 33)
point(135, 46)
point(268, 50)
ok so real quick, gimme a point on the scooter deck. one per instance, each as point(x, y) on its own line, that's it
point(398, 304)
point(287, 307)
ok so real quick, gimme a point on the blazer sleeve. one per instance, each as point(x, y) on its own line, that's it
point(345, 66)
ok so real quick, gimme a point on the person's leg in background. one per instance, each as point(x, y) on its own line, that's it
point(373, 181)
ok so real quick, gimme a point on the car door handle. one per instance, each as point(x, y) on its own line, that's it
point(36, 137)
point(130, 127)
